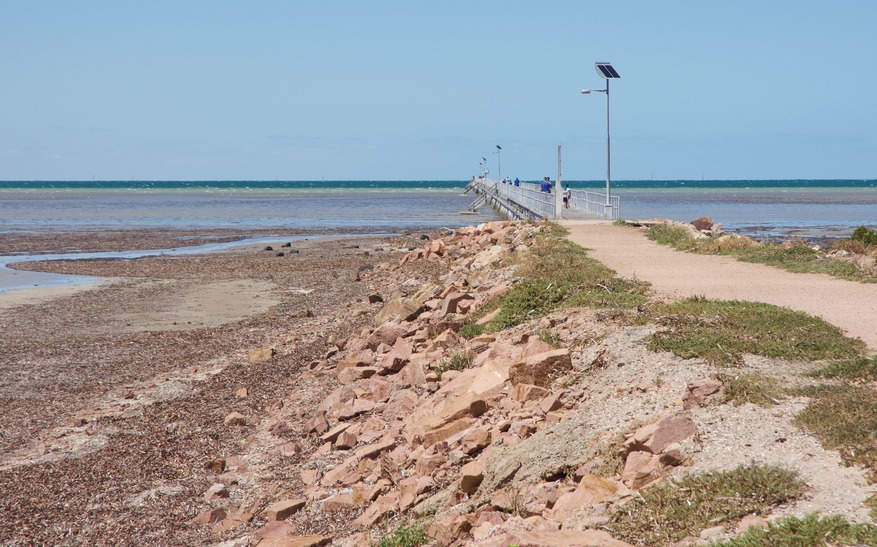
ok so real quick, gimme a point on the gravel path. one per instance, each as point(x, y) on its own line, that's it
point(848, 305)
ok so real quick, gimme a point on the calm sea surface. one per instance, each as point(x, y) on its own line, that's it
point(797, 207)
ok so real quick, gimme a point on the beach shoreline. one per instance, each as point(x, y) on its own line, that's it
point(132, 399)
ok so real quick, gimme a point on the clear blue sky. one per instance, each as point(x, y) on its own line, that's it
point(213, 89)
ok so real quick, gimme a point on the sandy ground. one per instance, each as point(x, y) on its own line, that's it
point(848, 305)
point(112, 396)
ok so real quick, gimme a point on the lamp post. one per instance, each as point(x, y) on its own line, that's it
point(607, 72)
point(498, 162)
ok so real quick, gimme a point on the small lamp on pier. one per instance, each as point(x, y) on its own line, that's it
point(498, 162)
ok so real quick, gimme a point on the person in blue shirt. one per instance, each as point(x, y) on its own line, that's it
point(517, 182)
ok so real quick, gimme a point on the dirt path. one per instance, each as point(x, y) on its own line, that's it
point(848, 305)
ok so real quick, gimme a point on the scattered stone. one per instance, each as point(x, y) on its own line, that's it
point(541, 368)
point(471, 476)
point(235, 418)
point(283, 509)
point(209, 516)
point(216, 491)
point(697, 393)
point(260, 355)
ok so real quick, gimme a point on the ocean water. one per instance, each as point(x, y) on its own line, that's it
point(758, 207)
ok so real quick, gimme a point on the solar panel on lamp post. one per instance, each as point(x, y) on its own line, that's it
point(606, 71)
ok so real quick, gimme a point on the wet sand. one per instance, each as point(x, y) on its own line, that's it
point(109, 393)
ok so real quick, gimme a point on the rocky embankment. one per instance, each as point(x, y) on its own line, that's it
point(498, 439)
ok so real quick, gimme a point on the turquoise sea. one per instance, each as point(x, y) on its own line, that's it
point(760, 207)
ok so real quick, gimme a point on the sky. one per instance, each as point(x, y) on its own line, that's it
point(416, 90)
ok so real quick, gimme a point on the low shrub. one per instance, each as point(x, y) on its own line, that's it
point(669, 512)
point(802, 532)
point(722, 331)
point(864, 235)
point(863, 369)
point(844, 418)
point(413, 535)
point(751, 388)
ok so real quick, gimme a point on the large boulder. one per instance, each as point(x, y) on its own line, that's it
point(399, 309)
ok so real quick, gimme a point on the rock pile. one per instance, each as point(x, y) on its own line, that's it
point(495, 436)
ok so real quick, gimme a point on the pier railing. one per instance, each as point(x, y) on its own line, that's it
point(528, 201)
point(593, 203)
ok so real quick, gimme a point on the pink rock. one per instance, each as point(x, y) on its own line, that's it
point(453, 301)
point(392, 362)
point(348, 375)
point(698, 392)
point(310, 476)
point(550, 404)
point(235, 418)
point(345, 441)
point(296, 541)
point(529, 392)
point(654, 438)
point(592, 489)
point(383, 506)
point(374, 450)
point(640, 469)
point(471, 476)
point(541, 368)
point(216, 491)
point(283, 509)
point(387, 333)
point(210, 516)
point(475, 441)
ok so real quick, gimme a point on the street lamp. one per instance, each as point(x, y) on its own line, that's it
point(498, 162)
point(607, 72)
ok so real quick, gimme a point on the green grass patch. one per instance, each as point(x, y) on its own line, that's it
point(844, 418)
point(871, 503)
point(862, 369)
point(669, 512)
point(675, 236)
point(549, 337)
point(722, 331)
point(471, 330)
point(751, 388)
point(413, 535)
point(559, 273)
point(458, 361)
point(803, 259)
point(812, 530)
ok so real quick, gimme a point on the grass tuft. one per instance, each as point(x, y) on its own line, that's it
point(812, 530)
point(458, 361)
point(862, 369)
point(669, 512)
point(794, 256)
point(471, 330)
point(557, 273)
point(722, 331)
point(844, 418)
point(751, 388)
point(404, 536)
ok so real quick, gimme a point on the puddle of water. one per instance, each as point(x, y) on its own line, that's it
point(12, 280)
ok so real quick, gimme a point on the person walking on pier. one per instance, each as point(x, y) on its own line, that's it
point(545, 186)
point(567, 196)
